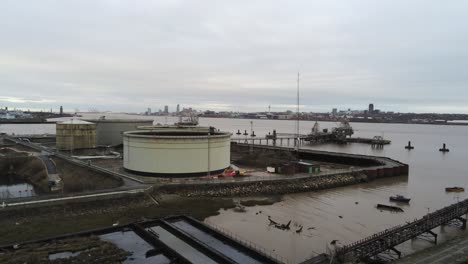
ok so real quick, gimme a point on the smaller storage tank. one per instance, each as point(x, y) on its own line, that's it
point(109, 132)
point(75, 134)
point(176, 153)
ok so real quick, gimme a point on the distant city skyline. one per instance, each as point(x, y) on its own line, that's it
point(125, 56)
point(166, 110)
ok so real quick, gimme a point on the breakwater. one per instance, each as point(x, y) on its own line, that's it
point(268, 187)
point(370, 168)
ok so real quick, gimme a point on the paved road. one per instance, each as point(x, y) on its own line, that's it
point(453, 251)
point(48, 163)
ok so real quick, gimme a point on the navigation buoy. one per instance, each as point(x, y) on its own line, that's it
point(444, 149)
point(409, 147)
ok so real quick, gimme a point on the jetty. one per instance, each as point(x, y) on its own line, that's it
point(384, 242)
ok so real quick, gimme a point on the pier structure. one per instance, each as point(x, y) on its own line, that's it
point(280, 139)
point(383, 242)
point(283, 139)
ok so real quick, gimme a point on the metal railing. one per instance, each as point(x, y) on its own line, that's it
point(389, 238)
point(252, 179)
point(248, 243)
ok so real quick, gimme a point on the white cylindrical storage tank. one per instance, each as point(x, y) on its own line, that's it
point(176, 153)
point(175, 128)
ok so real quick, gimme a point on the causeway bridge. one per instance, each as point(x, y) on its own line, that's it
point(384, 242)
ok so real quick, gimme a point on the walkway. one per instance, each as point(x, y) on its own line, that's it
point(371, 246)
point(453, 251)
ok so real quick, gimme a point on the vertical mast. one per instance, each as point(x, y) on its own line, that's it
point(297, 114)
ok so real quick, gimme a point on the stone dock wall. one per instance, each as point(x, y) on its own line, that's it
point(267, 187)
point(371, 168)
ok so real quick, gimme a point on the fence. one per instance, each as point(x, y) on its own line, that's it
point(382, 241)
point(248, 243)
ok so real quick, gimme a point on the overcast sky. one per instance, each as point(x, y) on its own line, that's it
point(234, 55)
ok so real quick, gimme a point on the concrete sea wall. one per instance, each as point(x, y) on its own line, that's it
point(272, 187)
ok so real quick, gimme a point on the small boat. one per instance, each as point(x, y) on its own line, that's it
point(399, 198)
point(389, 207)
point(455, 189)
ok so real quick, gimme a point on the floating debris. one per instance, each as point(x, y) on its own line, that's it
point(455, 189)
point(299, 230)
point(279, 226)
point(389, 207)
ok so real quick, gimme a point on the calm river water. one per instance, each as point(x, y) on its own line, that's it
point(334, 214)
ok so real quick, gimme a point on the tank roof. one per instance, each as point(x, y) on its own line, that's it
point(76, 122)
point(119, 120)
point(175, 134)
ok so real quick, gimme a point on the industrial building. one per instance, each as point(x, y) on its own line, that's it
point(176, 153)
point(75, 134)
point(109, 131)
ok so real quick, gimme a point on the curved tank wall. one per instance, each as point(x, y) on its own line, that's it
point(176, 154)
point(175, 128)
point(109, 132)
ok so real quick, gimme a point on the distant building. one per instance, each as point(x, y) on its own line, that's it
point(166, 109)
point(178, 109)
point(148, 112)
point(334, 111)
point(371, 109)
point(61, 110)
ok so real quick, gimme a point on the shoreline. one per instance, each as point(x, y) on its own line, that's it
point(266, 188)
point(29, 224)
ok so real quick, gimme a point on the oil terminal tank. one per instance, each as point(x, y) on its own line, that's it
point(178, 153)
point(175, 128)
point(109, 132)
point(75, 134)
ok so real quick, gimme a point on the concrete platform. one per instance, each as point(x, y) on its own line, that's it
point(177, 239)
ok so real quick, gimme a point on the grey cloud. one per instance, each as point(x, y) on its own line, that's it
point(129, 55)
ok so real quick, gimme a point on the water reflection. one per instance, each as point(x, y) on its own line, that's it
point(11, 188)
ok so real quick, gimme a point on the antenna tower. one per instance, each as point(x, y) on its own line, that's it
point(297, 114)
